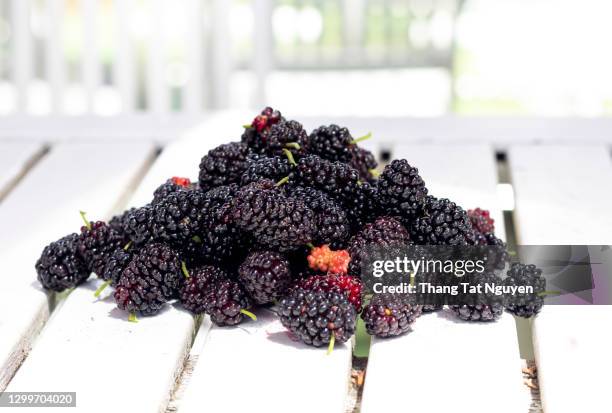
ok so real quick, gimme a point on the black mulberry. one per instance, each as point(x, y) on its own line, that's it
point(171, 186)
point(401, 190)
point(442, 222)
point(525, 305)
point(223, 165)
point(97, 241)
point(60, 266)
point(255, 135)
point(317, 318)
point(226, 302)
point(331, 142)
point(389, 315)
point(194, 288)
point(265, 275)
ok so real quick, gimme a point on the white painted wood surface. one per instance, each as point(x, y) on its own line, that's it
point(563, 196)
point(138, 363)
point(445, 364)
point(42, 208)
point(21, 51)
point(226, 379)
point(15, 158)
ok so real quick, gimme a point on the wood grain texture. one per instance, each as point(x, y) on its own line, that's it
point(446, 364)
point(44, 207)
point(563, 197)
point(15, 158)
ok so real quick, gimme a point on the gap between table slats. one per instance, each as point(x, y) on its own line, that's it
point(42, 208)
point(563, 197)
point(446, 364)
point(112, 364)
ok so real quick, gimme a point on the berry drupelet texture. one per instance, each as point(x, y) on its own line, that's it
point(351, 287)
point(171, 186)
point(261, 167)
point(265, 276)
point(136, 224)
point(255, 135)
point(60, 267)
point(364, 162)
point(116, 263)
point(341, 183)
point(389, 315)
point(401, 190)
point(382, 234)
point(194, 289)
point(152, 277)
point(333, 225)
point(275, 221)
point(223, 165)
point(481, 221)
point(325, 259)
point(226, 302)
point(316, 316)
point(289, 135)
point(331, 142)
point(480, 307)
point(525, 305)
point(97, 241)
point(178, 218)
point(442, 222)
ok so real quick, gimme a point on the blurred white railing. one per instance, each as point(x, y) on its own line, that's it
point(121, 56)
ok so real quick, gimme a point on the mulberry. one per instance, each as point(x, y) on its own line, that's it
point(442, 222)
point(255, 135)
point(480, 307)
point(351, 287)
point(332, 143)
point(178, 218)
point(265, 275)
point(275, 221)
point(389, 315)
point(401, 190)
point(223, 165)
point(318, 318)
point(97, 241)
point(226, 302)
point(525, 305)
point(60, 266)
point(193, 293)
point(171, 186)
point(263, 167)
point(364, 162)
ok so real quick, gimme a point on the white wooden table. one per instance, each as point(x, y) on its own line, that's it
point(82, 344)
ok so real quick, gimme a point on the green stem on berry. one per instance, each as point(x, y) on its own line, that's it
point(293, 145)
point(359, 183)
point(101, 288)
point(249, 314)
point(412, 278)
point(132, 318)
point(184, 269)
point(545, 293)
point(282, 181)
point(374, 172)
point(87, 223)
point(332, 341)
point(362, 138)
point(197, 239)
point(310, 245)
point(248, 125)
point(289, 156)
point(127, 246)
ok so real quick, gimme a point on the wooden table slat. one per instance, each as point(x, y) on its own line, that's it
point(136, 363)
point(563, 196)
point(42, 208)
point(445, 364)
point(14, 159)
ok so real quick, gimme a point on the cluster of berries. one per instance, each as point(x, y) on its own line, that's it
point(281, 218)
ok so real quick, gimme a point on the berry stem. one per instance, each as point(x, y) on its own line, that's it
point(197, 239)
point(101, 288)
point(310, 245)
point(332, 341)
point(282, 181)
point(249, 314)
point(127, 246)
point(375, 172)
point(184, 269)
point(289, 156)
point(87, 223)
point(132, 318)
point(246, 126)
point(293, 145)
point(362, 138)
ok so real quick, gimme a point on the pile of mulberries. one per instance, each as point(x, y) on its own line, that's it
point(282, 218)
